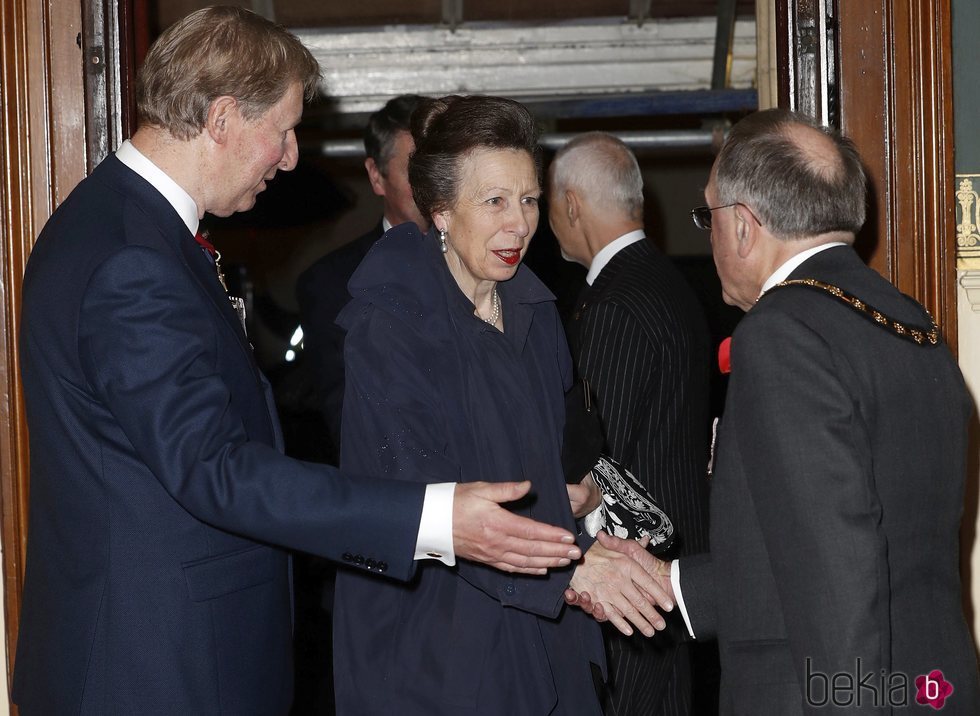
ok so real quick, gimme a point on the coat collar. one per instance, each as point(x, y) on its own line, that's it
point(405, 275)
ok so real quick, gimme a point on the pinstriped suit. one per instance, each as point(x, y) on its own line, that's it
point(640, 338)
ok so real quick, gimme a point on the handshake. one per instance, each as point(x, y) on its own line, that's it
point(616, 580)
point(620, 582)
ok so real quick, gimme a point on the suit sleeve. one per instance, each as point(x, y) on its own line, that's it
point(149, 346)
point(807, 459)
point(395, 424)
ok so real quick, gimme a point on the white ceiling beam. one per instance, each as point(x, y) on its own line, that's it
point(364, 67)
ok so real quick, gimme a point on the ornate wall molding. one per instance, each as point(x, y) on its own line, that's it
point(970, 281)
point(968, 224)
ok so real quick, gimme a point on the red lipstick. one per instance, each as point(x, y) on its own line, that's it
point(508, 256)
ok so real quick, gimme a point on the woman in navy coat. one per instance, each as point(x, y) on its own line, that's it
point(457, 366)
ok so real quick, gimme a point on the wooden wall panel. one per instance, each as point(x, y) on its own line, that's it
point(896, 103)
point(16, 229)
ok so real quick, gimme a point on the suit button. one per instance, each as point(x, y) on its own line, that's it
point(347, 557)
point(510, 590)
point(359, 560)
point(371, 564)
point(382, 566)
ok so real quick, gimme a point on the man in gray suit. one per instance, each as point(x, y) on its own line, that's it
point(833, 579)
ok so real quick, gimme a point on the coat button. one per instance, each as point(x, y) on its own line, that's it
point(358, 560)
point(371, 564)
point(382, 566)
point(510, 590)
point(347, 557)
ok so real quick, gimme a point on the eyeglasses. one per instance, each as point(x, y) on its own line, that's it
point(702, 214)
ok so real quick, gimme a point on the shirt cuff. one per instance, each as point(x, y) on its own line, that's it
point(675, 584)
point(435, 540)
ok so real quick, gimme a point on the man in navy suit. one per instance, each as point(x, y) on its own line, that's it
point(321, 290)
point(640, 340)
point(160, 499)
point(832, 583)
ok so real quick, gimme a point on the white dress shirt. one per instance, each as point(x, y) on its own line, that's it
point(606, 253)
point(435, 536)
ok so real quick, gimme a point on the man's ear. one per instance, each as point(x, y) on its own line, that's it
point(746, 231)
point(375, 176)
point(572, 206)
point(221, 114)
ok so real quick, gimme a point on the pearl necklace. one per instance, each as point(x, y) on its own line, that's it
point(494, 310)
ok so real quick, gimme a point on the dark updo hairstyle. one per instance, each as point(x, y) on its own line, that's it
point(447, 129)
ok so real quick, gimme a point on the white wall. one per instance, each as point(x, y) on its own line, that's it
point(969, 350)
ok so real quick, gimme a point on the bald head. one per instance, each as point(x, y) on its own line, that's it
point(603, 172)
point(802, 179)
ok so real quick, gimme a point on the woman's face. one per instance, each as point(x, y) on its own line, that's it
point(495, 216)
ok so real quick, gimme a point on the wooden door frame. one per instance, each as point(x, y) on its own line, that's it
point(41, 123)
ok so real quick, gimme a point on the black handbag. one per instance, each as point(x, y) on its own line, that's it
point(628, 510)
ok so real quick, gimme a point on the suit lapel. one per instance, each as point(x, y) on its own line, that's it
point(176, 235)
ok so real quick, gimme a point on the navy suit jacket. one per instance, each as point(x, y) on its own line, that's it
point(160, 498)
point(835, 506)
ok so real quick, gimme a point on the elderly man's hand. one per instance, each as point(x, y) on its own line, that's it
point(483, 531)
point(620, 581)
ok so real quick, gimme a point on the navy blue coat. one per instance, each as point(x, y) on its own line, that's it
point(158, 487)
point(432, 389)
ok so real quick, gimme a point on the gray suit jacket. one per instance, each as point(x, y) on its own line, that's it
point(835, 507)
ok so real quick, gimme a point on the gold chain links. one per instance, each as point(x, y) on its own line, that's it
point(915, 333)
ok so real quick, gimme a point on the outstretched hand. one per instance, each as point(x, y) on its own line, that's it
point(483, 531)
point(621, 582)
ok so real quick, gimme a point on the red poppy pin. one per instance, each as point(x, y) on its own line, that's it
point(725, 356)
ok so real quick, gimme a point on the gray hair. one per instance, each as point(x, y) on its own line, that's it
point(214, 52)
point(797, 190)
point(603, 170)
